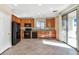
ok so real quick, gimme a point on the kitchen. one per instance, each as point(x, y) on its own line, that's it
point(33, 28)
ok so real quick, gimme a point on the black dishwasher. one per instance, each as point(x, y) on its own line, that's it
point(34, 34)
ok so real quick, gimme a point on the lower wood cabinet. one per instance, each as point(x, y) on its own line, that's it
point(53, 34)
point(42, 34)
point(47, 34)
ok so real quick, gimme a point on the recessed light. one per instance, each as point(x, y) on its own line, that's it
point(55, 11)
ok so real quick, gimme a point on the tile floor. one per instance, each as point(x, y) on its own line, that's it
point(40, 47)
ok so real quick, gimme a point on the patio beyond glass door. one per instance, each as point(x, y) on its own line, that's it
point(72, 28)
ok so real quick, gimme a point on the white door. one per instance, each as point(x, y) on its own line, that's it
point(5, 31)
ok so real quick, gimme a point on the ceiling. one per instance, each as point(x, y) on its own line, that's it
point(38, 10)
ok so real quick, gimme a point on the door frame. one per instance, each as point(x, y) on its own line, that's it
point(66, 26)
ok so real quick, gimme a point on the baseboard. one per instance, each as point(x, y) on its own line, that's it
point(4, 49)
point(69, 45)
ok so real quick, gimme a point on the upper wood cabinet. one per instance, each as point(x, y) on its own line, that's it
point(50, 22)
point(23, 20)
point(27, 20)
point(16, 19)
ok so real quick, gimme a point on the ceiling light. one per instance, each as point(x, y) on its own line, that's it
point(55, 11)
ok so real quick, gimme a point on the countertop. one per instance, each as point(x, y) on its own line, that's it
point(45, 29)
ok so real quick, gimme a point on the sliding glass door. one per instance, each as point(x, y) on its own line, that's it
point(69, 28)
point(64, 28)
point(72, 28)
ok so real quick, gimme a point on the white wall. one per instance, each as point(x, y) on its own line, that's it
point(60, 28)
point(57, 27)
point(5, 28)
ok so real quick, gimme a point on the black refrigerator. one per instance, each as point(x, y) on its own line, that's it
point(15, 33)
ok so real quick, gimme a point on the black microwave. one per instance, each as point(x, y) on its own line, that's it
point(27, 25)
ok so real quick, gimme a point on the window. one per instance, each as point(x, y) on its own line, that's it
point(40, 24)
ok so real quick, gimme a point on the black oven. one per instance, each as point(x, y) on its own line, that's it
point(27, 35)
point(27, 32)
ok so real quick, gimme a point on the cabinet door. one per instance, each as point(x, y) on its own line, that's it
point(46, 23)
point(53, 34)
point(50, 22)
point(32, 21)
point(53, 23)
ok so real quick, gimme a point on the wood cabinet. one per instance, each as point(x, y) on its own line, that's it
point(52, 34)
point(42, 34)
point(27, 20)
point(47, 34)
point(23, 20)
point(16, 19)
point(50, 22)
